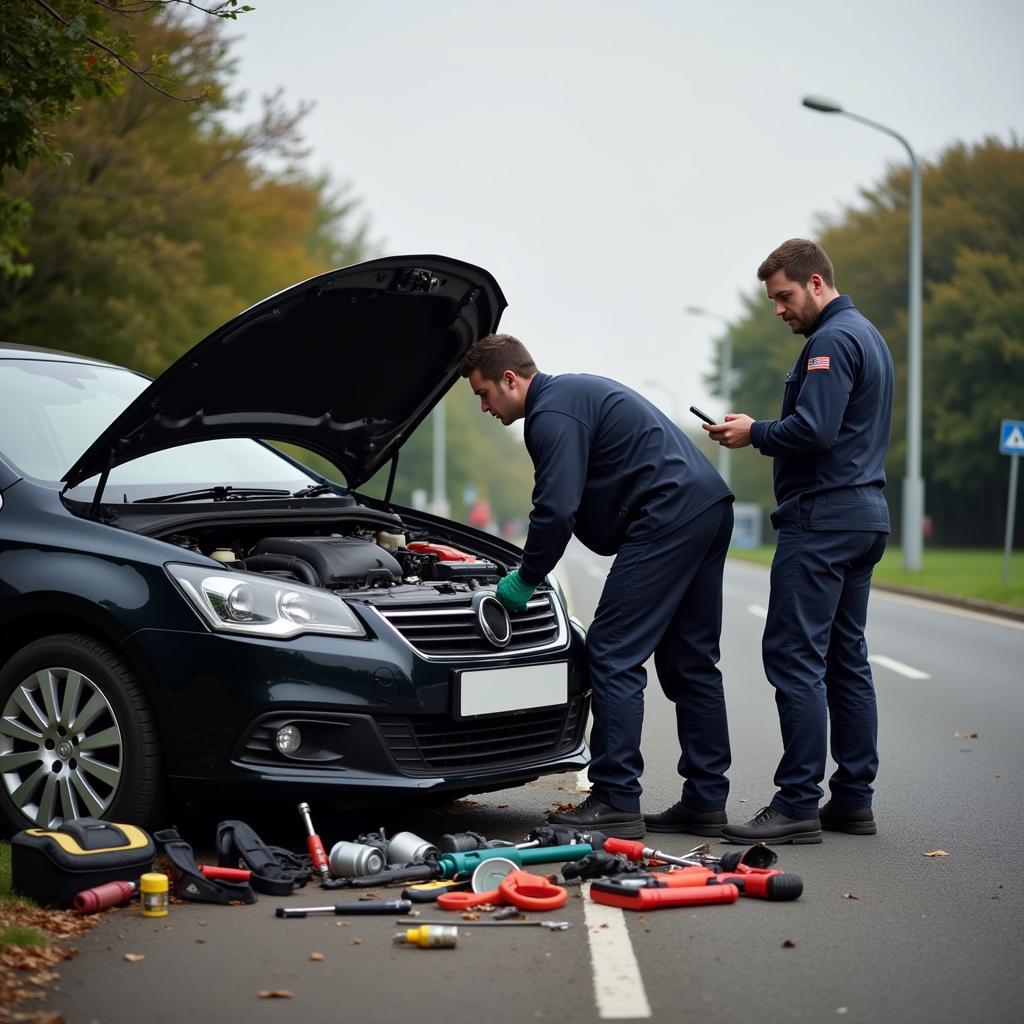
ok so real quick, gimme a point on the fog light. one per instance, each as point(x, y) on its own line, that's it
point(288, 739)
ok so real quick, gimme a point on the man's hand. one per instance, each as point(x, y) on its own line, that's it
point(513, 593)
point(733, 433)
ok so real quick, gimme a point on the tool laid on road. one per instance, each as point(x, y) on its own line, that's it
point(190, 883)
point(51, 866)
point(635, 850)
point(427, 892)
point(518, 888)
point(226, 874)
point(440, 936)
point(275, 871)
point(314, 845)
point(554, 926)
point(110, 894)
point(355, 860)
point(340, 909)
point(639, 892)
point(455, 865)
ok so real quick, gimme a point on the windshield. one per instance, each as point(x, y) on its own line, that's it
point(50, 412)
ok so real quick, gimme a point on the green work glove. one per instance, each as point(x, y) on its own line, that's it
point(513, 593)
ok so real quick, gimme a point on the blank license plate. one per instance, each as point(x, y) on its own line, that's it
point(497, 690)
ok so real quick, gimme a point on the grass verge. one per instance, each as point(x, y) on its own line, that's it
point(962, 572)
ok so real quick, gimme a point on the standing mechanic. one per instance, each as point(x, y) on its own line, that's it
point(612, 469)
point(829, 448)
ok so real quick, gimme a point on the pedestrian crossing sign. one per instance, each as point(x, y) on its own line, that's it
point(1011, 437)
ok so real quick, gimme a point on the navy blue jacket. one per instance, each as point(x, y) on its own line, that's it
point(606, 461)
point(830, 442)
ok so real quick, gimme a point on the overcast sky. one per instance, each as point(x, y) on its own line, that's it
point(612, 163)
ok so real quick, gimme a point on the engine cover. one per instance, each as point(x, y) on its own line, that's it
point(336, 559)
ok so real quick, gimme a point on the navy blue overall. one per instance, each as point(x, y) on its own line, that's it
point(612, 469)
point(829, 447)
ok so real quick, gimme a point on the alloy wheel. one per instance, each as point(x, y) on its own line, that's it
point(61, 751)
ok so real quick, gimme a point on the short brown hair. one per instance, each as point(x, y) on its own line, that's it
point(495, 354)
point(798, 258)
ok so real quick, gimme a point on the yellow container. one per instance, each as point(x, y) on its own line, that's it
point(153, 894)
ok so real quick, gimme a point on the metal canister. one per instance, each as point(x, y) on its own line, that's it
point(408, 848)
point(153, 900)
point(353, 860)
point(429, 936)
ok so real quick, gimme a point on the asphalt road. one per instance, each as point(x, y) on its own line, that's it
point(882, 932)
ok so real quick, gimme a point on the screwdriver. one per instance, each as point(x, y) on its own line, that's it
point(362, 907)
point(315, 846)
point(635, 850)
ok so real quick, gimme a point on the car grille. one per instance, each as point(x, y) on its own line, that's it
point(452, 629)
point(434, 745)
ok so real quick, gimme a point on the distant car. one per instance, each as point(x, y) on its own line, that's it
point(185, 610)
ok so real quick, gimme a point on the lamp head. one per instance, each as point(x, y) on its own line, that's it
point(822, 105)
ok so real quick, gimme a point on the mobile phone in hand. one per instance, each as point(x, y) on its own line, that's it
point(703, 415)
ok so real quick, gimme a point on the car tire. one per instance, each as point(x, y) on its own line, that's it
point(77, 737)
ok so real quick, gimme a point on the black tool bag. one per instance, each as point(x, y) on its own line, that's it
point(51, 865)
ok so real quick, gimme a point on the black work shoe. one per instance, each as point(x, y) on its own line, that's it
point(769, 826)
point(594, 815)
point(857, 822)
point(679, 818)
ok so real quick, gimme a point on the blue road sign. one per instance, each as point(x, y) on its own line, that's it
point(1011, 437)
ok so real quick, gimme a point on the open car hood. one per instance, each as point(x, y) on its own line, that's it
point(346, 364)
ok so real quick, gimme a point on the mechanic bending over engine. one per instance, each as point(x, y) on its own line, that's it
point(615, 471)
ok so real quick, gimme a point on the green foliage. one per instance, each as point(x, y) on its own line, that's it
point(21, 937)
point(166, 224)
point(54, 54)
point(973, 330)
point(965, 572)
point(480, 453)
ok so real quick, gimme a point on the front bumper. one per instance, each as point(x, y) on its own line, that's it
point(376, 720)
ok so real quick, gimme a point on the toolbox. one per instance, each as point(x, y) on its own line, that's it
point(51, 865)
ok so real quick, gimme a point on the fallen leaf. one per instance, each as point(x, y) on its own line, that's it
point(275, 993)
point(341, 924)
point(563, 808)
point(316, 956)
point(134, 958)
point(966, 734)
point(355, 942)
point(369, 896)
point(788, 944)
point(502, 807)
point(744, 800)
point(850, 896)
point(936, 853)
point(469, 916)
point(605, 925)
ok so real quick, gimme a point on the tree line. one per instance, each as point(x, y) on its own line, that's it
point(973, 331)
point(136, 219)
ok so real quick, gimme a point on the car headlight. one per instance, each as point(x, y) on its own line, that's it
point(259, 606)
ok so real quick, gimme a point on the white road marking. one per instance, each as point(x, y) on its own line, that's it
point(897, 666)
point(618, 987)
point(582, 782)
point(876, 659)
point(597, 571)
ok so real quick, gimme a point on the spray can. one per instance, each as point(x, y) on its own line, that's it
point(153, 894)
point(429, 936)
point(89, 901)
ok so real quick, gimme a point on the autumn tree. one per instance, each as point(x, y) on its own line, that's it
point(973, 329)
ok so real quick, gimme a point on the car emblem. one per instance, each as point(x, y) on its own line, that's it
point(493, 620)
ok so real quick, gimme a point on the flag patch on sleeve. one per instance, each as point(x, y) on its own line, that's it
point(819, 363)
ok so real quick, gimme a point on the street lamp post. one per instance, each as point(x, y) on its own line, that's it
point(913, 485)
point(724, 454)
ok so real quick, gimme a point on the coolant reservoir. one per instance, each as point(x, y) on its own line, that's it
point(390, 541)
point(223, 555)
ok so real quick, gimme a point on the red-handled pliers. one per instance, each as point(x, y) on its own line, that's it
point(518, 888)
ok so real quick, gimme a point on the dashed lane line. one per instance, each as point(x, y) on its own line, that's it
point(618, 987)
point(897, 666)
point(881, 660)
